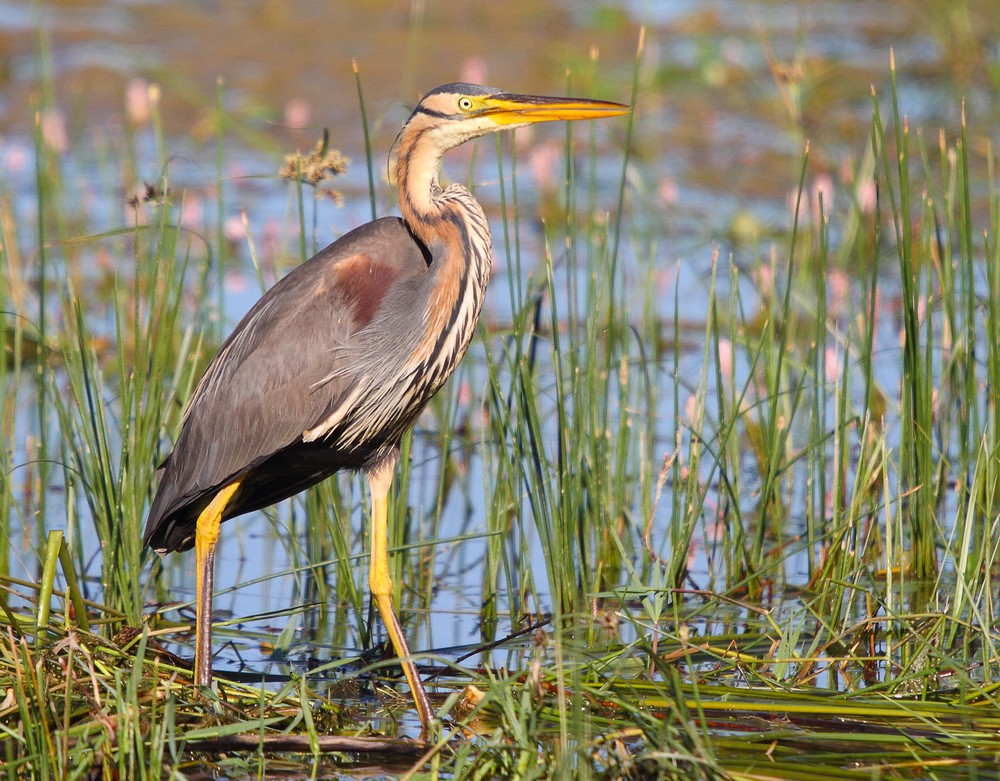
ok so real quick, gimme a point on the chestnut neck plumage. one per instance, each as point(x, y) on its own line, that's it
point(451, 224)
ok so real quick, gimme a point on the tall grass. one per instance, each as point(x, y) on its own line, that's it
point(788, 507)
point(882, 495)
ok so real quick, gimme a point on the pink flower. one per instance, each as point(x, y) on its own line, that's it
point(867, 195)
point(832, 365)
point(298, 113)
point(691, 408)
point(726, 358)
point(667, 191)
point(233, 228)
point(542, 161)
point(763, 275)
point(15, 158)
point(192, 212)
point(474, 70)
point(138, 104)
point(53, 126)
point(839, 286)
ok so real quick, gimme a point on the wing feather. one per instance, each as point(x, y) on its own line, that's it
point(289, 364)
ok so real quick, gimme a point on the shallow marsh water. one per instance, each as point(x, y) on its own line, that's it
point(729, 95)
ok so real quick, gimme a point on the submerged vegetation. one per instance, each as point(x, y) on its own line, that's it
point(755, 544)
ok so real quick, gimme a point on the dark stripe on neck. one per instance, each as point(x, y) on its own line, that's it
point(432, 113)
point(464, 274)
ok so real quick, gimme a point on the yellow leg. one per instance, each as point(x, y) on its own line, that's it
point(381, 588)
point(206, 537)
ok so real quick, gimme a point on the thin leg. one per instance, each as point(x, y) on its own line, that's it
point(381, 588)
point(206, 537)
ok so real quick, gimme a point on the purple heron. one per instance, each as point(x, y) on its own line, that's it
point(332, 366)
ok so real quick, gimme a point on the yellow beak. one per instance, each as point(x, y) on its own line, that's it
point(508, 109)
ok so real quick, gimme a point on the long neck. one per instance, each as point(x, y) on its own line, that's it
point(452, 226)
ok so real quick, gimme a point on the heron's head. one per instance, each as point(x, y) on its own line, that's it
point(456, 113)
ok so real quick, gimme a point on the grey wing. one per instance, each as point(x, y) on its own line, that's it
point(284, 367)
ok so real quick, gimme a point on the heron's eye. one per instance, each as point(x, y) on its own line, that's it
point(465, 104)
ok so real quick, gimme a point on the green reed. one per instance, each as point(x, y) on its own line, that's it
point(875, 464)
